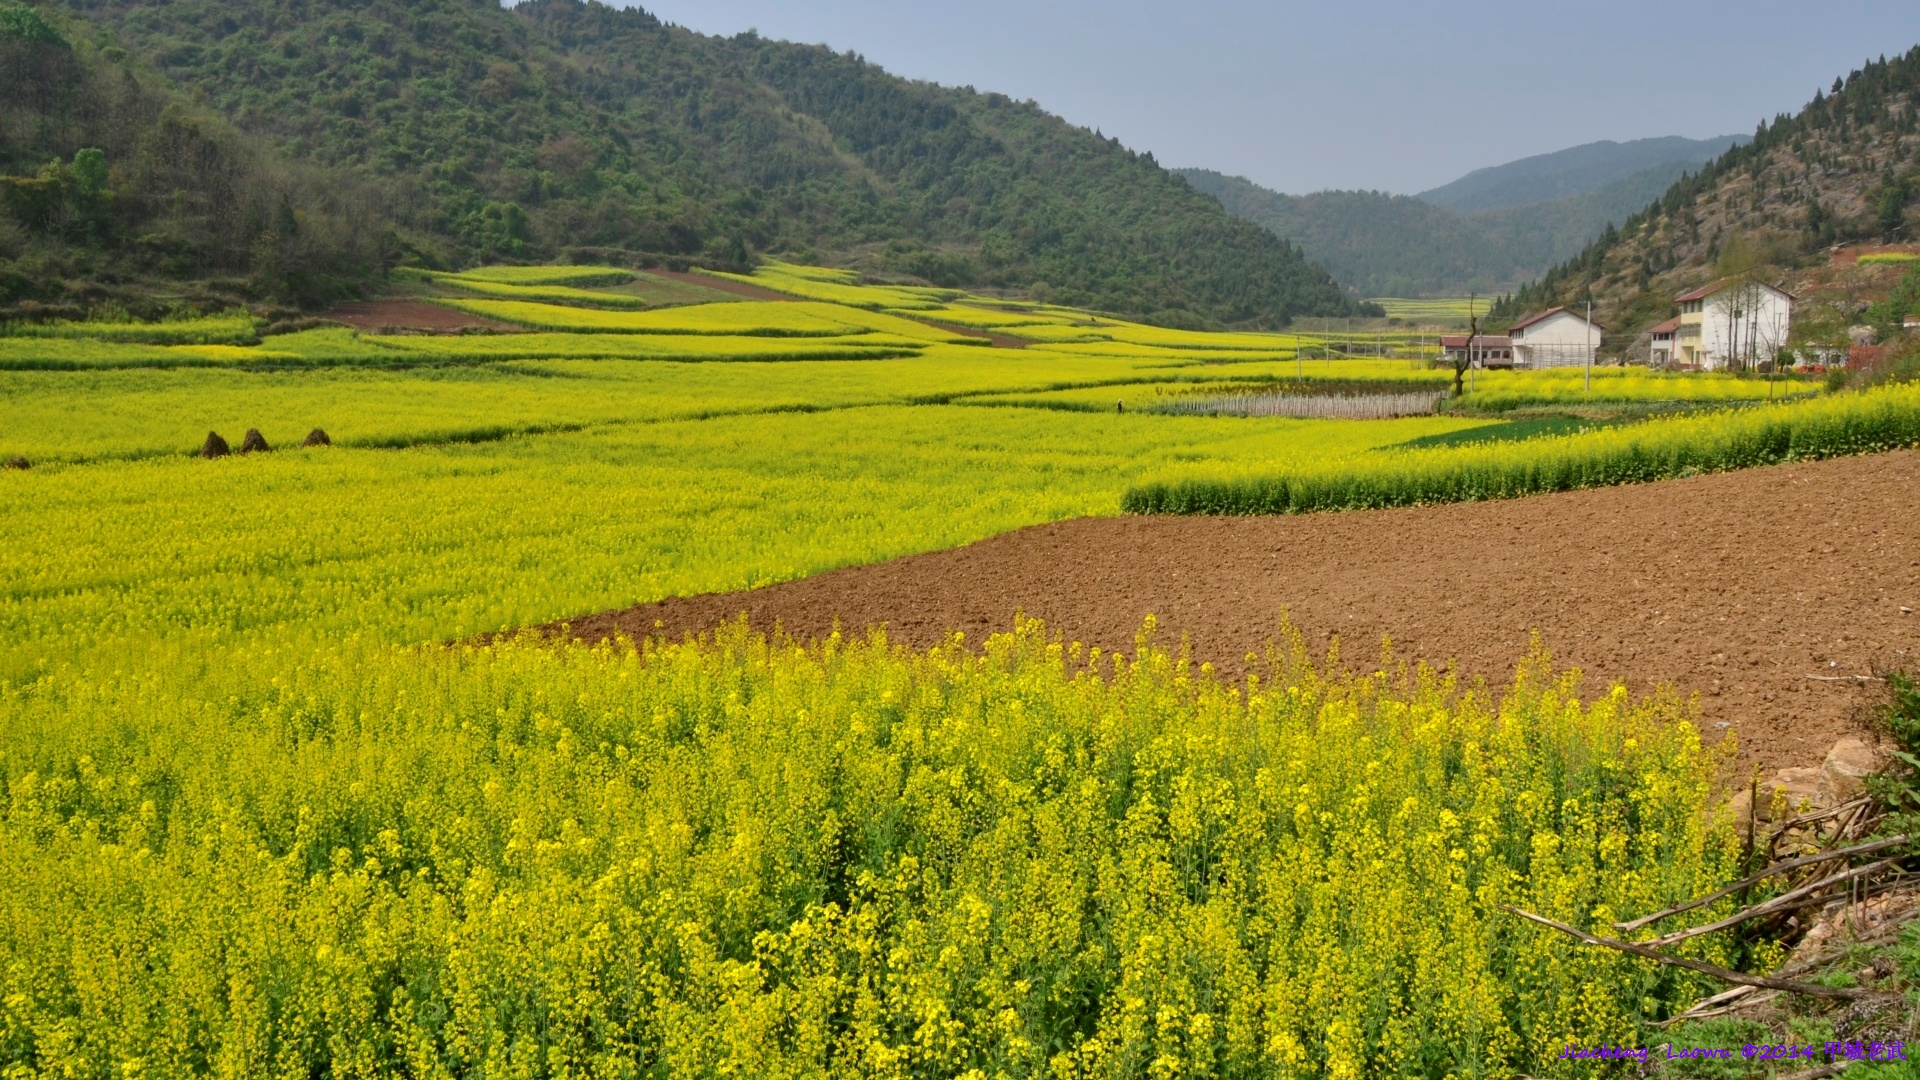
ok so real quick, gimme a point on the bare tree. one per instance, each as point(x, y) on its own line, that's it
point(1465, 358)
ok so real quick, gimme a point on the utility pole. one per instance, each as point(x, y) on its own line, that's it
point(1589, 342)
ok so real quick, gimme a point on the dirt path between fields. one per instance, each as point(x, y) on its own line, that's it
point(1735, 586)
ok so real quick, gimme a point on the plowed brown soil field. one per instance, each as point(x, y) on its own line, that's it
point(1736, 587)
point(402, 316)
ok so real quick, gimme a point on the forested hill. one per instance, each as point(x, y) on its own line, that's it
point(561, 130)
point(116, 190)
point(1846, 168)
point(1576, 170)
point(1488, 231)
point(1400, 245)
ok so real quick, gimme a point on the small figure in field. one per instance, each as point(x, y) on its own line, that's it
point(1120, 406)
point(254, 442)
point(316, 437)
point(215, 446)
point(17, 463)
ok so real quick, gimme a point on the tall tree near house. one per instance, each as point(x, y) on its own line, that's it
point(1739, 267)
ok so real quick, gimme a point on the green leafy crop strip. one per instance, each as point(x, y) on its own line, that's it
point(1860, 423)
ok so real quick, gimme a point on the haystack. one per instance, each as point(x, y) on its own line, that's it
point(254, 442)
point(316, 437)
point(215, 446)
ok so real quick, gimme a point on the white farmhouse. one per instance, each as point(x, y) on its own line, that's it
point(1732, 325)
point(1481, 350)
point(1554, 338)
point(1660, 347)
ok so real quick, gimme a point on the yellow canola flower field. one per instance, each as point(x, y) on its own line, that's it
point(1496, 391)
point(543, 275)
point(544, 294)
point(1449, 307)
point(269, 809)
point(230, 329)
point(540, 284)
point(985, 318)
point(841, 287)
point(748, 858)
point(442, 541)
point(144, 413)
point(747, 318)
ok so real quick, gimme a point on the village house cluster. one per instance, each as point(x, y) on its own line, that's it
point(1725, 325)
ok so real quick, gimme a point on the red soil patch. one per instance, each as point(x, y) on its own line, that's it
point(1734, 587)
point(738, 288)
point(414, 317)
point(1851, 255)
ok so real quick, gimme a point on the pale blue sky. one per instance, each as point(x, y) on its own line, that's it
point(1400, 96)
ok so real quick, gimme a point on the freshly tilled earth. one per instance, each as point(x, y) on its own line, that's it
point(1736, 587)
point(399, 315)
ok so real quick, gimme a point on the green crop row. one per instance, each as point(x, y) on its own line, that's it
point(580, 276)
point(236, 329)
point(541, 294)
point(1860, 423)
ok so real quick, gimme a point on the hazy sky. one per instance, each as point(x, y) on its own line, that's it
point(1399, 96)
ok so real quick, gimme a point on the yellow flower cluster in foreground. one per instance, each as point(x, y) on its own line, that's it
point(751, 859)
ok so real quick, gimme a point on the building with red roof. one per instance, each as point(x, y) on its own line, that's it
point(1660, 352)
point(1556, 337)
point(1735, 324)
point(1480, 350)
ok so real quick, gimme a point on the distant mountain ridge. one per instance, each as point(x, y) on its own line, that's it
point(1485, 232)
point(1401, 245)
point(1577, 170)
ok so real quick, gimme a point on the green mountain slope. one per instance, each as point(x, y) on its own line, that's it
point(565, 130)
point(116, 189)
point(1380, 244)
point(1577, 170)
point(1845, 168)
point(1399, 245)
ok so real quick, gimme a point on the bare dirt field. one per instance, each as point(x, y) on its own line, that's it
point(1736, 587)
point(416, 316)
point(737, 288)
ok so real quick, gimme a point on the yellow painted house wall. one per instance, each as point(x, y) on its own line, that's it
point(1686, 340)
